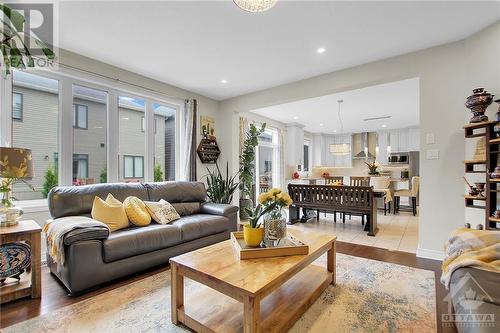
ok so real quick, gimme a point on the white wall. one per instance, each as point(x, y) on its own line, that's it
point(447, 75)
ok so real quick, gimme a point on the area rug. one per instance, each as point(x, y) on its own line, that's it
point(370, 296)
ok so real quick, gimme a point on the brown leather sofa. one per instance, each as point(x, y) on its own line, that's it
point(93, 256)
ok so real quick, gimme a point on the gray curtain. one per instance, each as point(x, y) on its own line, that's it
point(188, 162)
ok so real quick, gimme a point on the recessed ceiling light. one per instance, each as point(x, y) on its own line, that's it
point(320, 124)
point(334, 131)
point(321, 50)
point(295, 117)
point(384, 125)
point(223, 81)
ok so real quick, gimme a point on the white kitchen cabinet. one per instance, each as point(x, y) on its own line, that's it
point(413, 139)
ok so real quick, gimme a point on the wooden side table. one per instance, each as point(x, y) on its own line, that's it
point(30, 284)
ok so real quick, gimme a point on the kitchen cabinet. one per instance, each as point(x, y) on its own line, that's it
point(401, 141)
point(413, 139)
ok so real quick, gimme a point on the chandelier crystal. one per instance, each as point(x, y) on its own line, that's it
point(255, 6)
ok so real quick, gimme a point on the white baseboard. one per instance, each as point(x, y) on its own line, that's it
point(430, 254)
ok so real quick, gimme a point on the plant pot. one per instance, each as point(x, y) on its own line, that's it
point(245, 203)
point(252, 236)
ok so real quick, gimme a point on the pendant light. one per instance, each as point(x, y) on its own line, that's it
point(255, 6)
point(340, 148)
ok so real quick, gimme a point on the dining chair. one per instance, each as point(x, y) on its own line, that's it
point(359, 181)
point(332, 180)
point(412, 194)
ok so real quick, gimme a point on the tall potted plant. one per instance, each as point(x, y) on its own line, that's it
point(247, 167)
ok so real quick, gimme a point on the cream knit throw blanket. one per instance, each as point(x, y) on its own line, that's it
point(58, 228)
point(468, 247)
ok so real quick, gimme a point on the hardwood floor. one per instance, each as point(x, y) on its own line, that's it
point(54, 296)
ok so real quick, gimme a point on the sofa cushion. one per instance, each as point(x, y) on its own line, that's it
point(78, 200)
point(201, 225)
point(111, 212)
point(177, 191)
point(134, 241)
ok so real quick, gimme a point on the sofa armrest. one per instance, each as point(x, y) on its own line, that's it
point(82, 234)
point(218, 209)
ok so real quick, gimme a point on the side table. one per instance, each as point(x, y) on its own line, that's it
point(30, 284)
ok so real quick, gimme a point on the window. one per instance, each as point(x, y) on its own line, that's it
point(80, 167)
point(133, 166)
point(90, 113)
point(17, 106)
point(307, 155)
point(164, 167)
point(39, 98)
point(267, 161)
point(132, 140)
point(80, 116)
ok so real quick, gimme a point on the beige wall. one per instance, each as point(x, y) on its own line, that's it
point(447, 75)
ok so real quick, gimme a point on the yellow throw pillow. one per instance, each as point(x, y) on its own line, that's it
point(112, 200)
point(112, 214)
point(162, 211)
point(136, 211)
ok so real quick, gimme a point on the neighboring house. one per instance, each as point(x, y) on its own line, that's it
point(35, 124)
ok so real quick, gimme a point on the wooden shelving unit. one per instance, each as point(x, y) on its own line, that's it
point(492, 188)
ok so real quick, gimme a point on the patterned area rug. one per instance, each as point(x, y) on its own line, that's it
point(370, 296)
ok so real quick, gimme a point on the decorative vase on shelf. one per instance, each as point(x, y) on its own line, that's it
point(496, 129)
point(275, 227)
point(478, 102)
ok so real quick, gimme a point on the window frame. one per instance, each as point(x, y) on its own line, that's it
point(76, 117)
point(22, 106)
point(134, 157)
point(67, 77)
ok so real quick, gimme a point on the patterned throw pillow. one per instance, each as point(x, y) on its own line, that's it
point(162, 211)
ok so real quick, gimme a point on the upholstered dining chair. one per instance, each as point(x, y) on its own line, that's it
point(412, 194)
point(383, 184)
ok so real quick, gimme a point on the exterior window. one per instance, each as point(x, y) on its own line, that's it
point(307, 155)
point(80, 116)
point(133, 166)
point(80, 166)
point(143, 125)
point(17, 106)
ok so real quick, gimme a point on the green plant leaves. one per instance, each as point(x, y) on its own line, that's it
point(220, 189)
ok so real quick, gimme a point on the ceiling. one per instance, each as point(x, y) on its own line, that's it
point(398, 100)
point(195, 45)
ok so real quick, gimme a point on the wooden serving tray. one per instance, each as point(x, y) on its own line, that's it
point(289, 246)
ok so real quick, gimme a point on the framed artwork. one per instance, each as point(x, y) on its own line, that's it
point(207, 125)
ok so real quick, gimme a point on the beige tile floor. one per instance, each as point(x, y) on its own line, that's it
point(396, 232)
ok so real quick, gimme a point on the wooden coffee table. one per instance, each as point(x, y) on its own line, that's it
point(257, 295)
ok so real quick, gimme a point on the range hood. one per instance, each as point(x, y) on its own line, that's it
point(363, 150)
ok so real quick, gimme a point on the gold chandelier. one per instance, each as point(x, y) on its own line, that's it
point(255, 6)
